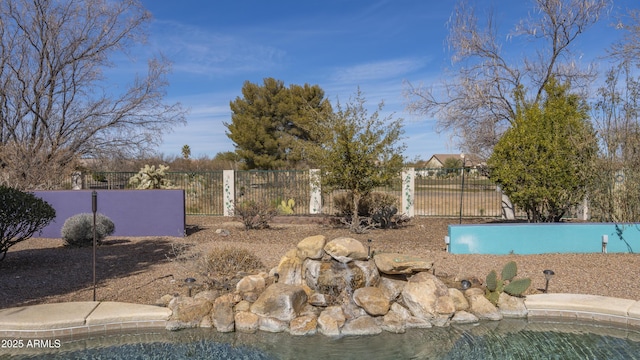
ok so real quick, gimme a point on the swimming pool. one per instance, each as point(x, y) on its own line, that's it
point(506, 339)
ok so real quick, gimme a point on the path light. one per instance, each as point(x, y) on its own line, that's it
point(447, 241)
point(465, 284)
point(605, 241)
point(190, 283)
point(369, 250)
point(548, 274)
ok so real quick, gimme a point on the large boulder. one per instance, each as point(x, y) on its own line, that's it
point(290, 268)
point(428, 298)
point(372, 300)
point(188, 309)
point(480, 306)
point(251, 283)
point(331, 320)
point(311, 247)
point(223, 315)
point(345, 249)
point(394, 263)
point(246, 321)
point(280, 301)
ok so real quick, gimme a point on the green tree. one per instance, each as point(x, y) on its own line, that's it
point(543, 161)
point(21, 215)
point(269, 123)
point(359, 152)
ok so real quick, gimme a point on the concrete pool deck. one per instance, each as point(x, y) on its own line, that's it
point(77, 318)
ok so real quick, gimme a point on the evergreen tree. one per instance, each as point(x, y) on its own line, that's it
point(543, 161)
point(268, 122)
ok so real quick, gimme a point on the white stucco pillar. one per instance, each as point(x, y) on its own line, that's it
point(408, 191)
point(315, 201)
point(229, 192)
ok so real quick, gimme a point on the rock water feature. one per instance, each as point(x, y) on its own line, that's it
point(334, 288)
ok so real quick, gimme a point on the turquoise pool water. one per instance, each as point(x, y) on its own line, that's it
point(526, 238)
point(507, 339)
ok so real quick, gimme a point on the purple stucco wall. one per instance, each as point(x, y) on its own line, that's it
point(134, 212)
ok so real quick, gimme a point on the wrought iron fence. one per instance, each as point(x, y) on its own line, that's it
point(437, 192)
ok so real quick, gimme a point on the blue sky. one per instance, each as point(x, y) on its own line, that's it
point(338, 44)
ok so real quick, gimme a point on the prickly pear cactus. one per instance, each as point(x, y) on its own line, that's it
point(517, 287)
point(507, 283)
point(286, 207)
point(492, 281)
point(509, 271)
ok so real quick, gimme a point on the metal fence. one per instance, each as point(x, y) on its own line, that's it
point(437, 192)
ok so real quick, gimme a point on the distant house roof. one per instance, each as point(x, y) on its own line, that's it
point(438, 160)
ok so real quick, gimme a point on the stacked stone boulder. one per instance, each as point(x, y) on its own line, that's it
point(335, 289)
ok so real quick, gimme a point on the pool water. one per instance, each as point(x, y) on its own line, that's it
point(506, 339)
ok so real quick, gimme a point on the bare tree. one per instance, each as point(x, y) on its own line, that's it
point(476, 100)
point(615, 194)
point(56, 104)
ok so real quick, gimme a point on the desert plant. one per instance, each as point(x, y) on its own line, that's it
point(507, 283)
point(78, 229)
point(375, 208)
point(150, 177)
point(255, 214)
point(22, 214)
point(286, 207)
point(231, 260)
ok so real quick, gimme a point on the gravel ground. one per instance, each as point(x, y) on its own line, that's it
point(142, 269)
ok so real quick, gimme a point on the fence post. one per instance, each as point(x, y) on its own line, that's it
point(408, 191)
point(315, 201)
point(228, 184)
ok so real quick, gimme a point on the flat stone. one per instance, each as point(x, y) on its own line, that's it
point(364, 325)
point(395, 263)
point(511, 306)
point(273, 325)
point(303, 325)
point(464, 317)
point(345, 249)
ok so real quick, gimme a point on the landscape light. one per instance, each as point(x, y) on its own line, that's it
point(605, 241)
point(190, 283)
point(465, 284)
point(548, 274)
point(369, 249)
point(447, 241)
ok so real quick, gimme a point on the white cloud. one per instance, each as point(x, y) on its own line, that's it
point(379, 70)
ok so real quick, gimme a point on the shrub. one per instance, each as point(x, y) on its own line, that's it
point(78, 229)
point(21, 215)
point(255, 214)
point(376, 208)
point(231, 260)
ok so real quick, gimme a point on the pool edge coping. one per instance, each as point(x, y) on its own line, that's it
point(42, 320)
